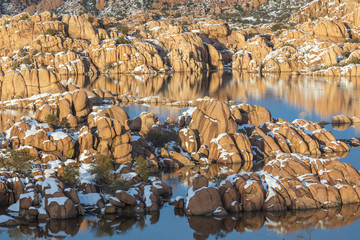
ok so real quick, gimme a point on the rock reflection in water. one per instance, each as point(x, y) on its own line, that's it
point(108, 225)
point(283, 223)
point(326, 96)
point(214, 171)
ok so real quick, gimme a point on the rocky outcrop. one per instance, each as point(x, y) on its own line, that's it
point(329, 28)
point(289, 182)
point(212, 118)
point(28, 83)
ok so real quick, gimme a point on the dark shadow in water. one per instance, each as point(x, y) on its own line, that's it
point(283, 223)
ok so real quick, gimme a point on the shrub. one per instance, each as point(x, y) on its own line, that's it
point(177, 15)
point(55, 121)
point(346, 54)
point(142, 168)
point(122, 28)
point(119, 184)
point(91, 19)
point(219, 178)
point(50, 31)
point(122, 40)
point(160, 138)
point(27, 61)
point(102, 169)
point(22, 52)
point(107, 26)
point(16, 65)
point(17, 160)
point(277, 26)
point(70, 176)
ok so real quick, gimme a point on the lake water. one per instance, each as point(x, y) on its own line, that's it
point(286, 96)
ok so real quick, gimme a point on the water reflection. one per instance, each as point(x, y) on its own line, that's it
point(182, 178)
point(325, 96)
point(282, 223)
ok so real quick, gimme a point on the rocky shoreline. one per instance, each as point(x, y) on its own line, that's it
point(77, 128)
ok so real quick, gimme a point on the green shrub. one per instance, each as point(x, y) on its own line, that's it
point(160, 138)
point(55, 121)
point(50, 31)
point(122, 28)
point(16, 65)
point(122, 40)
point(277, 26)
point(22, 52)
point(27, 61)
point(119, 185)
point(91, 19)
point(17, 160)
point(102, 169)
point(107, 26)
point(142, 168)
point(70, 176)
point(346, 54)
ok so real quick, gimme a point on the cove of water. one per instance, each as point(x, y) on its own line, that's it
point(286, 96)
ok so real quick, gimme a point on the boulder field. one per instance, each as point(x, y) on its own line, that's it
point(47, 198)
point(36, 50)
point(76, 127)
point(81, 124)
point(288, 182)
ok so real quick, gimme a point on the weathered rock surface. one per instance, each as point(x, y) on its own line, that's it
point(289, 182)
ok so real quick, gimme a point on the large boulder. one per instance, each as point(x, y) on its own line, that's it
point(80, 28)
point(211, 118)
point(203, 201)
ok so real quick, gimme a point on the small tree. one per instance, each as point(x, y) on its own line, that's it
point(70, 176)
point(106, 180)
point(103, 170)
point(142, 168)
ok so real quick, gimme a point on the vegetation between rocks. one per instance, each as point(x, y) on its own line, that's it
point(16, 160)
